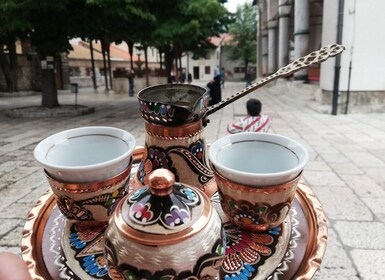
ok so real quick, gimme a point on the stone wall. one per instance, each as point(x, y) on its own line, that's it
point(28, 74)
point(120, 85)
point(359, 101)
point(86, 81)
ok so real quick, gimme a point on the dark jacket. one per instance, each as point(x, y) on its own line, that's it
point(215, 90)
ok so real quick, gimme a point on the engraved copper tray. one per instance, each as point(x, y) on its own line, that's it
point(55, 249)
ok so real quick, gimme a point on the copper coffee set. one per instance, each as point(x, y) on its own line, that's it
point(158, 216)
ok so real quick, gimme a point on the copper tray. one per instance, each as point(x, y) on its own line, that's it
point(54, 249)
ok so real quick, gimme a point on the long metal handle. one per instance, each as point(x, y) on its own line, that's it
point(298, 64)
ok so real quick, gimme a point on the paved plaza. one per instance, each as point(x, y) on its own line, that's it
point(346, 168)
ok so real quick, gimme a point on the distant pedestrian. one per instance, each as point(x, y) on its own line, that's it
point(223, 77)
point(183, 77)
point(253, 122)
point(131, 86)
point(172, 77)
point(189, 78)
point(215, 88)
point(248, 77)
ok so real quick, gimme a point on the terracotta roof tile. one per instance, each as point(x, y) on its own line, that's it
point(81, 50)
point(221, 40)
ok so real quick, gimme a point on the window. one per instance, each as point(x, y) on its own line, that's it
point(207, 70)
point(239, 69)
point(74, 71)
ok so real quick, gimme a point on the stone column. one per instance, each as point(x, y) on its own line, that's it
point(284, 8)
point(272, 24)
point(262, 5)
point(265, 52)
point(272, 58)
point(301, 33)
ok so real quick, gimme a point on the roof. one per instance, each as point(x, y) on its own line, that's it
point(81, 50)
point(221, 39)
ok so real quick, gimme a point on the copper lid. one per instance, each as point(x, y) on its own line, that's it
point(165, 212)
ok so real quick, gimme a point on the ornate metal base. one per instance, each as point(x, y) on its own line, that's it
point(56, 249)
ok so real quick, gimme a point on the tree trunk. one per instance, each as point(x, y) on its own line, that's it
point(146, 64)
point(168, 59)
point(8, 64)
point(13, 65)
point(176, 68)
point(93, 66)
point(48, 88)
point(181, 70)
point(4, 65)
point(246, 68)
point(160, 60)
point(104, 63)
point(109, 64)
point(130, 45)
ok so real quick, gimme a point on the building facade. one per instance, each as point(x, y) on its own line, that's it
point(293, 28)
point(204, 68)
point(76, 66)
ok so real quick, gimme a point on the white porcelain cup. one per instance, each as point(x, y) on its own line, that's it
point(258, 159)
point(88, 169)
point(86, 154)
point(257, 176)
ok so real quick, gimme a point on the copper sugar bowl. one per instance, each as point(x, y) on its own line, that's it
point(166, 229)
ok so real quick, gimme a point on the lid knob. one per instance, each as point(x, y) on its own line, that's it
point(161, 182)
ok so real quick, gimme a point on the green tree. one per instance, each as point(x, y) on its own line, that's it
point(172, 26)
point(50, 33)
point(13, 26)
point(243, 44)
point(186, 25)
point(114, 21)
point(51, 24)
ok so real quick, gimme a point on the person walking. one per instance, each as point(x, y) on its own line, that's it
point(183, 77)
point(131, 85)
point(253, 122)
point(223, 77)
point(215, 88)
point(248, 77)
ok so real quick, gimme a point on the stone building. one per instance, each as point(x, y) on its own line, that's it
point(27, 71)
point(353, 82)
point(76, 67)
point(203, 68)
point(80, 66)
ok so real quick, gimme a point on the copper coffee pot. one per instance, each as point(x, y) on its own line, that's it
point(176, 115)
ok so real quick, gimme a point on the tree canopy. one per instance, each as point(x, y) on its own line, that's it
point(172, 26)
point(243, 45)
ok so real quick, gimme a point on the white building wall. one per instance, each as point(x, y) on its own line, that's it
point(152, 53)
point(211, 60)
point(367, 36)
point(364, 39)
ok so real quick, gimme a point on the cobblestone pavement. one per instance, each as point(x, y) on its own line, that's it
point(346, 167)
